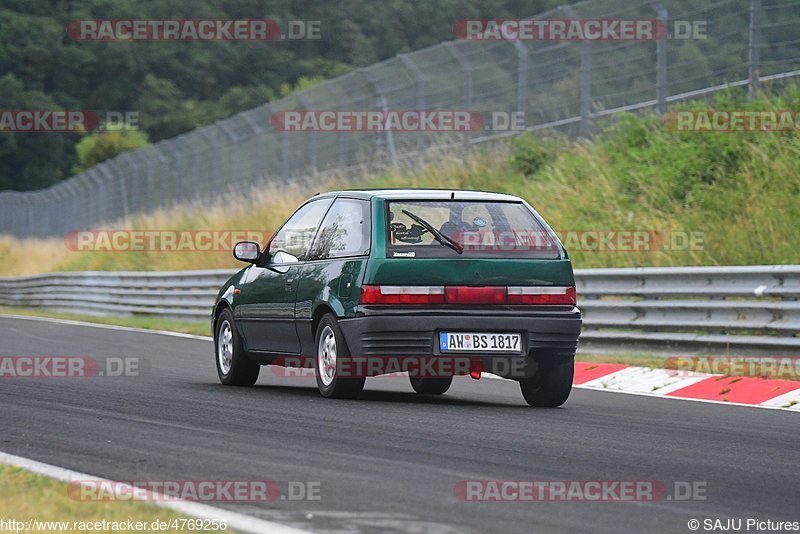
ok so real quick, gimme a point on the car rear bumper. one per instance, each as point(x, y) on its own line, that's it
point(549, 336)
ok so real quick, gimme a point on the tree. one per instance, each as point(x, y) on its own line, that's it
point(98, 147)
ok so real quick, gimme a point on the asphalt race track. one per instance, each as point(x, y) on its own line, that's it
point(390, 460)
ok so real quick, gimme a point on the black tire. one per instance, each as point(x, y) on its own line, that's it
point(241, 371)
point(329, 383)
point(431, 386)
point(550, 387)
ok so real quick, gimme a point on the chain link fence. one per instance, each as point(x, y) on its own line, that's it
point(555, 84)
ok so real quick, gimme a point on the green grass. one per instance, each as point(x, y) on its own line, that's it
point(200, 328)
point(25, 496)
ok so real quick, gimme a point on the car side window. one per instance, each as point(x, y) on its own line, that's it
point(296, 234)
point(344, 232)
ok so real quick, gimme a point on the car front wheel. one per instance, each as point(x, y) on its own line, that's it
point(551, 385)
point(234, 368)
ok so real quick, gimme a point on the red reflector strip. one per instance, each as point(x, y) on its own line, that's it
point(402, 295)
point(542, 295)
point(475, 295)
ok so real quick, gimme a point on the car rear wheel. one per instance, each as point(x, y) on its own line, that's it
point(234, 368)
point(332, 356)
point(431, 386)
point(550, 387)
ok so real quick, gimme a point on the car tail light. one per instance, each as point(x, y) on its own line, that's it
point(468, 295)
point(474, 295)
point(542, 295)
point(402, 295)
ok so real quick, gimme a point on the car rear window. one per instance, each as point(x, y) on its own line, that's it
point(485, 229)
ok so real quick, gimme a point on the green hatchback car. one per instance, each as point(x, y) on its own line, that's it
point(433, 283)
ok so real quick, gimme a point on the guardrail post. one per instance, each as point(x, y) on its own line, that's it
point(754, 57)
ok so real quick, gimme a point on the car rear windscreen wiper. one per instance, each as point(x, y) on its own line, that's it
point(440, 237)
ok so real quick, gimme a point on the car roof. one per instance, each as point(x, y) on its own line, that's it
point(423, 194)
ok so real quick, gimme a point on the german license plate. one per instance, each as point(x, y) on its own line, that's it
point(480, 342)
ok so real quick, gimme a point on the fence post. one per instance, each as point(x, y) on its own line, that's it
point(522, 77)
point(284, 149)
point(312, 136)
point(177, 181)
point(383, 107)
point(586, 79)
point(213, 149)
point(344, 138)
point(96, 214)
point(71, 197)
point(661, 58)
point(258, 132)
point(111, 177)
point(754, 59)
point(164, 169)
point(466, 69)
point(233, 140)
point(131, 205)
point(419, 81)
point(80, 187)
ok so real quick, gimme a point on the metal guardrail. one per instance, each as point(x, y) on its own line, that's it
point(754, 306)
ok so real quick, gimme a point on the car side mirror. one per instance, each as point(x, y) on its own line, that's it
point(247, 251)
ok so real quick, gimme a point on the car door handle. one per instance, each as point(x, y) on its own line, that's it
point(289, 284)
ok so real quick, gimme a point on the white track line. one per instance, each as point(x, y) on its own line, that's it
point(108, 326)
point(234, 520)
